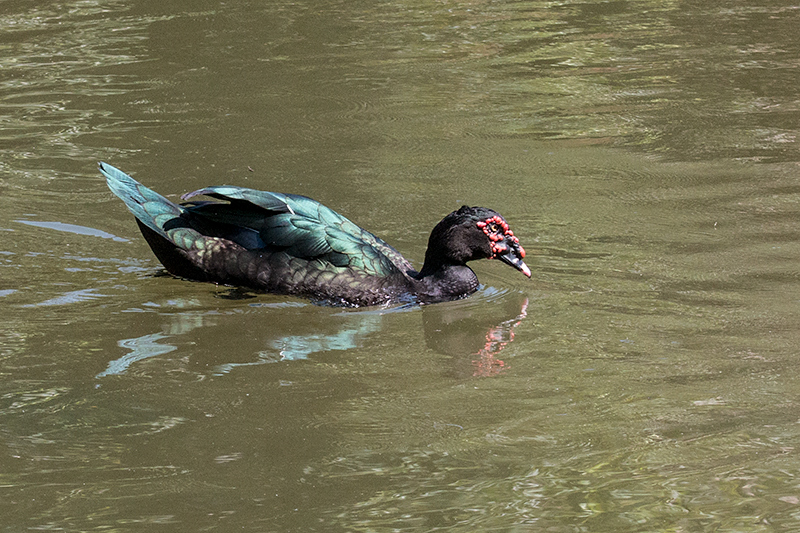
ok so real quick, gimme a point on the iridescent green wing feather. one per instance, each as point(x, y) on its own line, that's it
point(301, 227)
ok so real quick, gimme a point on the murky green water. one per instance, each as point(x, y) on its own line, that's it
point(645, 379)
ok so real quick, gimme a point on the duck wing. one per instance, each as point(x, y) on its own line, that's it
point(296, 225)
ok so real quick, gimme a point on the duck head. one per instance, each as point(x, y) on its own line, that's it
point(473, 233)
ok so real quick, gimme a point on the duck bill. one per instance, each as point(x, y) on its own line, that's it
point(511, 258)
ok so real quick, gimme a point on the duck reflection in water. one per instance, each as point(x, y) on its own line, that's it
point(461, 330)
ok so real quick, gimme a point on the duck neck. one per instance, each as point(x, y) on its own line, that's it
point(445, 281)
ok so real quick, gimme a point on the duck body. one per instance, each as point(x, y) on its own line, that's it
point(290, 244)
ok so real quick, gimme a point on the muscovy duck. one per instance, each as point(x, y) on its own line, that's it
point(291, 244)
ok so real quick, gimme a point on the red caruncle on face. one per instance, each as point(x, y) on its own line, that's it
point(497, 230)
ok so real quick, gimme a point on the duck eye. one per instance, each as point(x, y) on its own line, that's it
point(493, 228)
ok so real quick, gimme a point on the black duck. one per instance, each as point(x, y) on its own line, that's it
point(291, 244)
